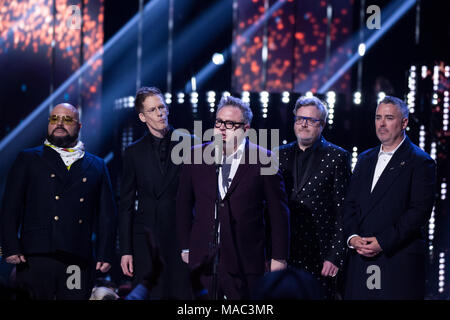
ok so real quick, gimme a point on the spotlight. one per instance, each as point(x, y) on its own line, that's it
point(194, 97)
point(285, 97)
point(246, 96)
point(264, 97)
point(422, 137)
point(424, 72)
point(357, 97)
point(211, 97)
point(381, 96)
point(218, 59)
point(180, 97)
point(168, 97)
point(331, 100)
point(354, 157)
point(362, 49)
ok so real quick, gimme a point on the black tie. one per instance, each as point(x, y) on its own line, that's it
point(226, 168)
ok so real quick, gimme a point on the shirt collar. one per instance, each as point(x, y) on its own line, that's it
point(390, 153)
point(239, 151)
point(313, 147)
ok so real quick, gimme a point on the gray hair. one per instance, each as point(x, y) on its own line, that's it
point(399, 103)
point(238, 103)
point(304, 101)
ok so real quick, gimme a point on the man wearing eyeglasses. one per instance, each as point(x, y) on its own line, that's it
point(243, 192)
point(55, 195)
point(150, 177)
point(316, 174)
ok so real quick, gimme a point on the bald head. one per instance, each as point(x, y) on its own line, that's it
point(64, 126)
point(68, 108)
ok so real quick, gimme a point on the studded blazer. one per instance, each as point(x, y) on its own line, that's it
point(314, 202)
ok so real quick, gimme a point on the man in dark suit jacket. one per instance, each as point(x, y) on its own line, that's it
point(55, 195)
point(316, 173)
point(151, 177)
point(245, 190)
point(387, 206)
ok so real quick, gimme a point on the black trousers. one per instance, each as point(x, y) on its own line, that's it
point(56, 276)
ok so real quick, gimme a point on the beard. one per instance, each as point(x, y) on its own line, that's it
point(66, 141)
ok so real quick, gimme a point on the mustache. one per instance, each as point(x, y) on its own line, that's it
point(62, 128)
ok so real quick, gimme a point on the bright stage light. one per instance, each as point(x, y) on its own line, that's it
point(218, 59)
point(357, 97)
point(362, 49)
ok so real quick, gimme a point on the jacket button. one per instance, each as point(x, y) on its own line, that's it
point(84, 179)
point(81, 199)
point(52, 175)
point(56, 218)
point(222, 205)
point(57, 197)
point(80, 221)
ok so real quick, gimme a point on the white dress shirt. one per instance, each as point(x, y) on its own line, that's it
point(382, 162)
point(234, 159)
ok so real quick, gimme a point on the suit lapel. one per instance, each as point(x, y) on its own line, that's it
point(241, 171)
point(313, 164)
point(395, 166)
point(54, 161)
point(78, 169)
point(151, 167)
point(171, 170)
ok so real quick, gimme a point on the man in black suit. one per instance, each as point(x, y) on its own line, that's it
point(151, 177)
point(316, 174)
point(55, 195)
point(387, 206)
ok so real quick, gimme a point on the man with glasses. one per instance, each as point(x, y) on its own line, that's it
point(242, 191)
point(316, 174)
point(150, 177)
point(55, 195)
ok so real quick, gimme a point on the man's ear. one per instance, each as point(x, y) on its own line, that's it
point(141, 117)
point(246, 127)
point(405, 123)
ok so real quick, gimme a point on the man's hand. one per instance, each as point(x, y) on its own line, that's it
point(16, 259)
point(329, 269)
point(103, 266)
point(357, 242)
point(126, 262)
point(372, 248)
point(276, 265)
point(185, 257)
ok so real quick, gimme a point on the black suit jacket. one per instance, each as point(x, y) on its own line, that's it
point(156, 194)
point(316, 220)
point(54, 209)
point(395, 213)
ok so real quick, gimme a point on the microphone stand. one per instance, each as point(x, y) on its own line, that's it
point(215, 282)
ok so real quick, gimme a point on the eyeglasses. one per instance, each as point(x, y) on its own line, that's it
point(309, 121)
point(68, 120)
point(160, 108)
point(228, 124)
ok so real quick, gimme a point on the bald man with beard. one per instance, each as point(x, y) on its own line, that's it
point(57, 195)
